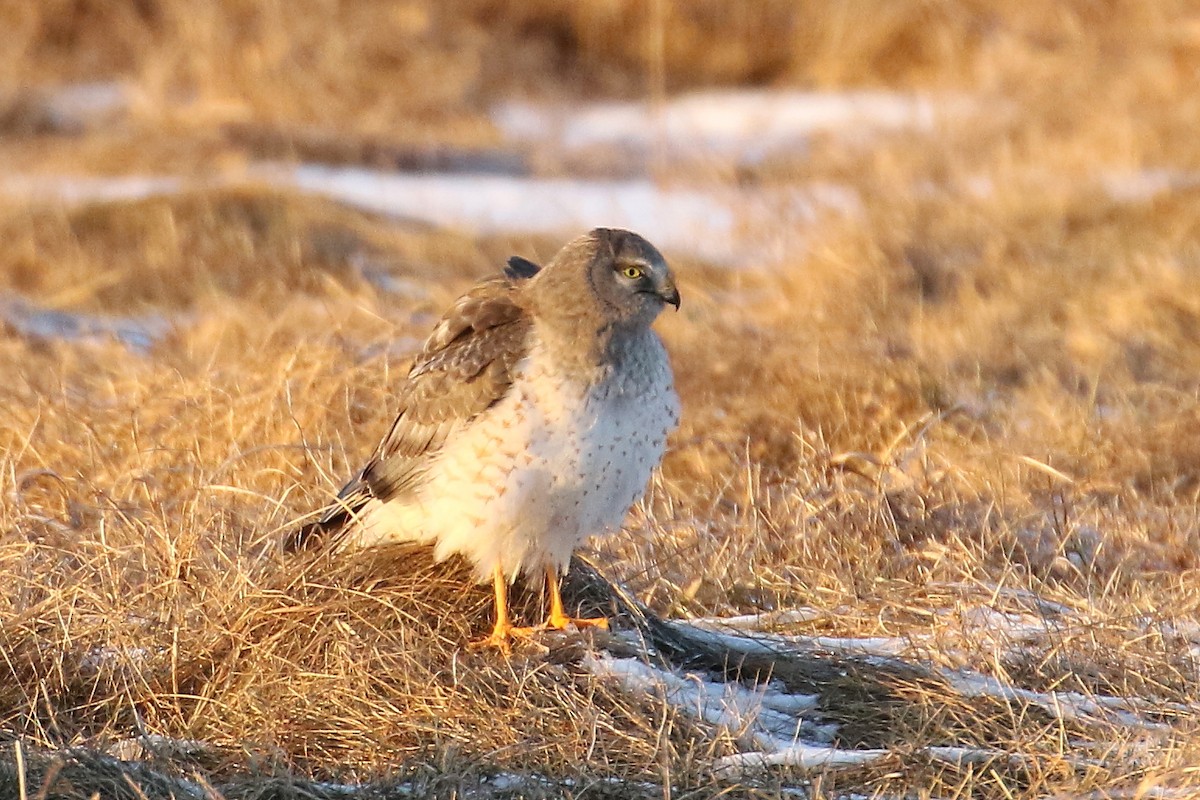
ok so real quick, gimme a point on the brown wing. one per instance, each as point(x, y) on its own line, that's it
point(465, 366)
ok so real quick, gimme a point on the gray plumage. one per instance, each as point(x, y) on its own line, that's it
point(530, 419)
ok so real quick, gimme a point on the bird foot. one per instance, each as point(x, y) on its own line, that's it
point(502, 637)
point(559, 623)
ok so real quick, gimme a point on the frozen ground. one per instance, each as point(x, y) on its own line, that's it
point(708, 218)
point(742, 126)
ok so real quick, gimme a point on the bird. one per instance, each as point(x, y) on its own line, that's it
point(531, 419)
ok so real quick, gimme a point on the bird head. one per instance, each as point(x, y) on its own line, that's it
point(611, 274)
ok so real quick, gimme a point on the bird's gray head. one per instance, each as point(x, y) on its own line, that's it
point(610, 278)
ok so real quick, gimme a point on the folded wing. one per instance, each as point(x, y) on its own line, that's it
point(466, 365)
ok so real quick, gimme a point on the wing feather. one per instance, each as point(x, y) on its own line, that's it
point(465, 366)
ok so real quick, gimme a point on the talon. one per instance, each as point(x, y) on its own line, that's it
point(504, 632)
point(558, 619)
point(498, 641)
point(563, 622)
point(502, 637)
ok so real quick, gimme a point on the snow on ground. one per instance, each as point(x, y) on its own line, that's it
point(75, 190)
point(717, 220)
point(742, 125)
point(29, 320)
point(708, 222)
point(723, 224)
point(774, 727)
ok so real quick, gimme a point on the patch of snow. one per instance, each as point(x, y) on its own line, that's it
point(801, 756)
point(1006, 625)
point(1140, 792)
point(506, 781)
point(1069, 706)
point(78, 190)
point(1024, 597)
point(730, 706)
point(68, 109)
point(104, 655)
point(136, 333)
point(725, 224)
point(780, 700)
point(355, 789)
point(81, 105)
point(747, 125)
point(758, 644)
point(1147, 185)
point(768, 718)
point(869, 645)
point(961, 756)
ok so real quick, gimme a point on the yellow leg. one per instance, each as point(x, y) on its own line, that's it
point(503, 627)
point(503, 631)
point(558, 618)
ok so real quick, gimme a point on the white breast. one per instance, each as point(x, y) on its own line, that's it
point(552, 463)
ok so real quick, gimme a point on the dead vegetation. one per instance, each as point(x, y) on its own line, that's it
point(963, 425)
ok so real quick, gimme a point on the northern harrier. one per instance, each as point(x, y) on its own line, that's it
point(531, 419)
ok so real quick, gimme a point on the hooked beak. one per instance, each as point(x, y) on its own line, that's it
point(667, 291)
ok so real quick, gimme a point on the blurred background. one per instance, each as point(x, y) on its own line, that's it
point(702, 92)
point(981, 211)
point(939, 349)
point(416, 72)
point(392, 67)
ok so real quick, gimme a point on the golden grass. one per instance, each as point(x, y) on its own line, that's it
point(317, 60)
point(985, 384)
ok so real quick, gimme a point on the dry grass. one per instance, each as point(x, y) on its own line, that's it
point(985, 385)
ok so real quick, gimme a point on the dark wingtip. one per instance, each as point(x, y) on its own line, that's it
point(521, 268)
point(312, 535)
point(303, 538)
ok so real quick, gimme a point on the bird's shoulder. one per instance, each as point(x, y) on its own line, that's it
point(486, 323)
point(466, 365)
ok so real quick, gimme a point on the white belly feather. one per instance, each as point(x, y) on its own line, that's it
point(552, 463)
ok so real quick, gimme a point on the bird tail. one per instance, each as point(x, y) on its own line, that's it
point(333, 523)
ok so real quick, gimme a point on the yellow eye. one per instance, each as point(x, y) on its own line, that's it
point(633, 273)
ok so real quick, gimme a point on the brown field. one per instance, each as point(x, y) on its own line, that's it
point(982, 388)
